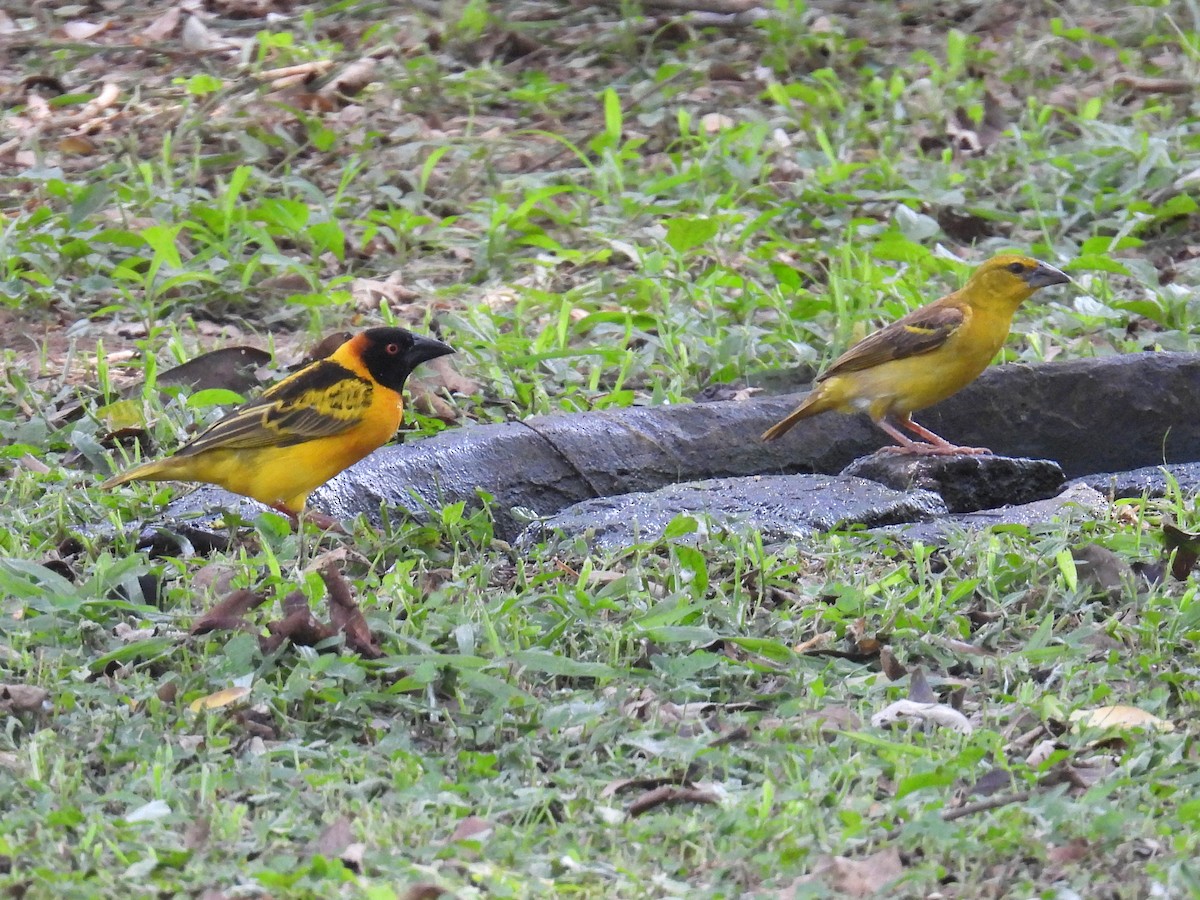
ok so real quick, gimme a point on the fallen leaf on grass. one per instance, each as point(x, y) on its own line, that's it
point(422, 891)
point(229, 613)
point(849, 877)
point(258, 722)
point(971, 139)
point(919, 690)
point(1186, 547)
point(832, 719)
point(934, 713)
point(198, 37)
point(221, 698)
point(1148, 85)
point(671, 795)
point(621, 785)
point(352, 79)
point(333, 840)
point(298, 625)
point(322, 349)
point(1120, 718)
point(80, 31)
point(23, 698)
point(445, 375)
point(992, 781)
point(819, 642)
point(472, 828)
point(892, 667)
point(344, 614)
point(1101, 571)
point(195, 836)
point(1041, 752)
point(1072, 851)
point(161, 28)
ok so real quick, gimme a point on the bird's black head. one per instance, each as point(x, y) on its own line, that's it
point(390, 354)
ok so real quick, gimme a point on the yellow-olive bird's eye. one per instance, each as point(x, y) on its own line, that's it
point(1016, 268)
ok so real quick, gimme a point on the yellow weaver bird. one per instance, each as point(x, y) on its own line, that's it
point(306, 428)
point(927, 355)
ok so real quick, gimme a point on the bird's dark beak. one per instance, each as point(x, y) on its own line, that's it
point(1044, 276)
point(424, 349)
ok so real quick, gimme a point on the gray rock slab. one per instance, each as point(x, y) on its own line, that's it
point(1149, 481)
point(1077, 501)
point(1096, 415)
point(967, 482)
point(778, 506)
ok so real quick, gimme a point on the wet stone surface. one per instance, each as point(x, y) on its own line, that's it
point(1100, 415)
point(966, 482)
point(1149, 481)
point(1078, 501)
point(781, 507)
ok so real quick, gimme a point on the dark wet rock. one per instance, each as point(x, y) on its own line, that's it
point(1076, 501)
point(1148, 481)
point(1095, 415)
point(779, 506)
point(967, 482)
point(1089, 415)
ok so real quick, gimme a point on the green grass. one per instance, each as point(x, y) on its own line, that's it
point(556, 195)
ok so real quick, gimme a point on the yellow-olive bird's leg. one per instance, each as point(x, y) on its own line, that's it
point(907, 444)
point(937, 443)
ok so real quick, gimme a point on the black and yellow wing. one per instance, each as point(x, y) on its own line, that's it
point(921, 331)
point(319, 401)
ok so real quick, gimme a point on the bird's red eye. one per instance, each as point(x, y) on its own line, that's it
point(393, 349)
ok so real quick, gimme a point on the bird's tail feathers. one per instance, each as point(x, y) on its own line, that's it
point(816, 402)
point(155, 470)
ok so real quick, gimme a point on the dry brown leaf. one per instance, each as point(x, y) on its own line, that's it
point(23, 698)
point(711, 123)
point(81, 31)
point(31, 463)
point(822, 640)
point(198, 37)
point(472, 828)
point(971, 139)
point(109, 94)
point(621, 785)
point(336, 837)
point(892, 667)
point(1148, 85)
point(195, 836)
point(77, 145)
point(426, 400)
point(919, 690)
point(444, 374)
point(344, 614)
point(161, 28)
point(1073, 851)
point(352, 79)
point(422, 891)
point(298, 625)
point(849, 877)
point(1041, 752)
point(248, 9)
point(671, 795)
point(228, 614)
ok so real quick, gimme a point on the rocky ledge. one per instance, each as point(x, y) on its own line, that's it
point(1120, 426)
